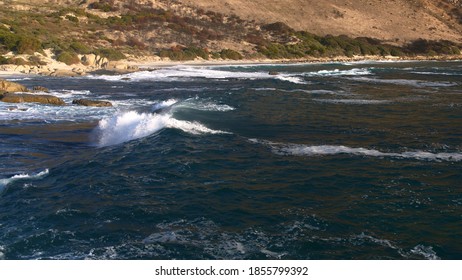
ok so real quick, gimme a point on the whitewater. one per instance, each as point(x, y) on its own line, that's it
point(267, 161)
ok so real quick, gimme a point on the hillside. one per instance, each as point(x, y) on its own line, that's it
point(229, 29)
point(394, 21)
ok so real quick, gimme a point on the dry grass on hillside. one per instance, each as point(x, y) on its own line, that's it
point(395, 21)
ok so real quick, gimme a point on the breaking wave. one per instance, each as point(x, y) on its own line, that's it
point(163, 104)
point(131, 125)
point(338, 72)
point(23, 176)
point(187, 73)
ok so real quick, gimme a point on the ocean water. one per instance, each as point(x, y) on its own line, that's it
point(321, 161)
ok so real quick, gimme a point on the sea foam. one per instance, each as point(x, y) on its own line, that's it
point(352, 101)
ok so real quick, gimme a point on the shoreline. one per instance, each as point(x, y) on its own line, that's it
point(58, 69)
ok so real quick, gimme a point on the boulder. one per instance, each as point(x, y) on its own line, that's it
point(116, 65)
point(89, 59)
point(40, 89)
point(101, 61)
point(92, 103)
point(64, 73)
point(25, 97)
point(11, 86)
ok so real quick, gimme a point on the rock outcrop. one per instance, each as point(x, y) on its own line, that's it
point(92, 103)
point(7, 86)
point(93, 60)
point(35, 98)
point(40, 89)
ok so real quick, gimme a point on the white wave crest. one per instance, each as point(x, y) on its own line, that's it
point(192, 127)
point(338, 72)
point(292, 79)
point(23, 176)
point(185, 73)
point(127, 126)
point(206, 106)
point(164, 104)
point(324, 150)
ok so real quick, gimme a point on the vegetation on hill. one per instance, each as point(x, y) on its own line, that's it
point(115, 29)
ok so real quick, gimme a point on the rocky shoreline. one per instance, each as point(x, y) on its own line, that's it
point(94, 64)
point(11, 92)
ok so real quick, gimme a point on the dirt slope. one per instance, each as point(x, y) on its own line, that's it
point(395, 21)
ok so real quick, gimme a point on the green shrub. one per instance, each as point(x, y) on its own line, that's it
point(68, 58)
point(8, 39)
point(35, 60)
point(72, 18)
point(110, 54)
point(455, 50)
point(80, 48)
point(230, 54)
point(396, 52)
point(16, 61)
point(3, 60)
point(28, 44)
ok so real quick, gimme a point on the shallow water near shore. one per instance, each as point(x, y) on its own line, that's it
point(312, 161)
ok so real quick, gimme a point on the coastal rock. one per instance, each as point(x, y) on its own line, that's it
point(115, 65)
point(11, 86)
point(35, 98)
point(79, 71)
point(89, 59)
point(92, 103)
point(120, 67)
point(64, 73)
point(101, 62)
point(40, 89)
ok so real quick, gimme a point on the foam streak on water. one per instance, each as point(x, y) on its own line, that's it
point(329, 150)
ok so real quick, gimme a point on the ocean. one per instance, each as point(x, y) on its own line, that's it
point(286, 161)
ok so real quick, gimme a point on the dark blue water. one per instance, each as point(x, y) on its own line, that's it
point(322, 161)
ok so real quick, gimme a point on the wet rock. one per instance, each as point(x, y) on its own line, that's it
point(35, 98)
point(11, 86)
point(92, 103)
point(40, 89)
